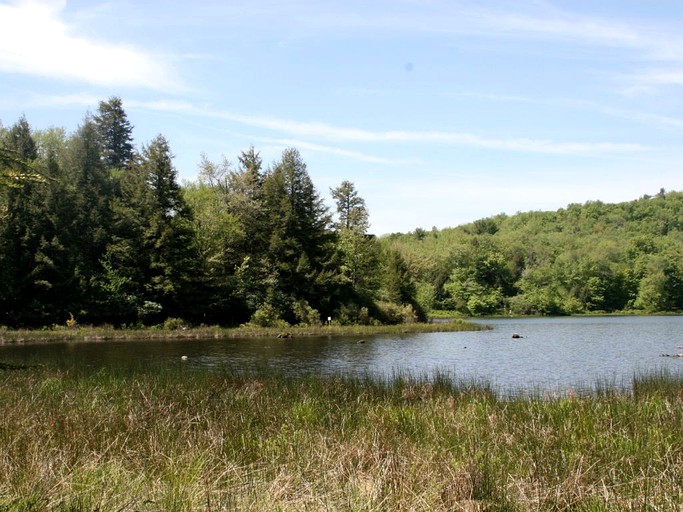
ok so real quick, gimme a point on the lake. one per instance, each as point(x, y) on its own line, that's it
point(553, 355)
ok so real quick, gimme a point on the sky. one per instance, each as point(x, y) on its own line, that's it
point(441, 112)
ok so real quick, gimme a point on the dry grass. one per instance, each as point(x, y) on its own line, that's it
point(152, 439)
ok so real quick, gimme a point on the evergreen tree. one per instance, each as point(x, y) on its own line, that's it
point(358, 252)
point(351, 208)
point(115, 133)
point(19, 239)
point(398, 285)
point(244, 200)
point(149, 269)
point(86, 210)
point(300, 242)
point(162, 231)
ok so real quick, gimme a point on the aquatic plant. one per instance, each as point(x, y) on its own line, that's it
point(175, 439)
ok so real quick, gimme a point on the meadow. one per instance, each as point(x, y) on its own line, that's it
point(173, 439)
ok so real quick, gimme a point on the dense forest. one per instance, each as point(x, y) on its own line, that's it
point(93, 230)
point(588, 258)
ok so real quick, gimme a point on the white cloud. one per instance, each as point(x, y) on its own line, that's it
point(35, 40)
point(632, 115)
point(354, 155)
point(323, 131)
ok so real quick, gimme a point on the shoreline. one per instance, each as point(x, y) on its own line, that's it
point(100, 334)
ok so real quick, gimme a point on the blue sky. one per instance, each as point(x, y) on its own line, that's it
point(440, 111)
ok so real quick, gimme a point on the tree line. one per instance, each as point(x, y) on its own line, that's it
point(95, 231)
point(585, 258)
point(92, 228)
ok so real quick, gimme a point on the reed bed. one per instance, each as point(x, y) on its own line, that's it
point(175, 439)
point(180, 331)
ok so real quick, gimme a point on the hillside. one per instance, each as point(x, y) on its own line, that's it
point(592, 257)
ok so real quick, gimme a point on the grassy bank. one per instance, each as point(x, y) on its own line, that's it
point(60, 333)
point(178, 440)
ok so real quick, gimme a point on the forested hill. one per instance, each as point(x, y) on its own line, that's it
point(592, 257)
point(94, 228)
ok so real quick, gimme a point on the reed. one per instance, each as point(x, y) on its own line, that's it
point(90, 333)
point(179, 439)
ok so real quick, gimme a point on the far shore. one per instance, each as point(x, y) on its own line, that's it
point(108, 333)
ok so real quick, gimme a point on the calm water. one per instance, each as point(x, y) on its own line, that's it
point(554, 354)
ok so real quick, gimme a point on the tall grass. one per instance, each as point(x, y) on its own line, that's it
point(177, 439)
point(89, 333)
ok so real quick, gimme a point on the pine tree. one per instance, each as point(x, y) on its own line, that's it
point(18, 237)
point(115, 133)
point(351, 208)
point(300, 241)
point(162, 231)
point(88, 194)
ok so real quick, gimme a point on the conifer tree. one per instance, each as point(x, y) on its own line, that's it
point(300, 241)
point(115, 133)
point(18, 237)
point(165, 230)
point(351, 208)
point(358, 251)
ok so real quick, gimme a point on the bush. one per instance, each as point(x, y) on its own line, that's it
point(71, 322)
point(267, 316)
point(398, 314)
point(305, 314)
point(175, 324)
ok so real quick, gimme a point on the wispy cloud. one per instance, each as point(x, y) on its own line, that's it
point(323, 131)
point(647, 45)
point(35, 40)
point(594, 106)
point(528, 19)
point(643, 43)
point(354, 155)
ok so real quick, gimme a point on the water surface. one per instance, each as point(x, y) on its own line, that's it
point(554, 354)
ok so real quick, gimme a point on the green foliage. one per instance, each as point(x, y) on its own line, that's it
point(594, 257)
point(15, 170)
point(305, 314)
point(149, 309)
point(115, 134)
point(300, 245)
point(89, 225)
point(267, 316)
point(399, 290)
point(354, 314)
point(175, 324)
point(351, 209)
point(393, 313)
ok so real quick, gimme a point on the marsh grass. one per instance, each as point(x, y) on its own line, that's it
point(177, 439)
point(89, 333)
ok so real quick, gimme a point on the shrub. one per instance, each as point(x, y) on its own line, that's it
point(397, 314)
point(71, 323)
point(175, 324)
point(267, 316)
point(305, 314)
